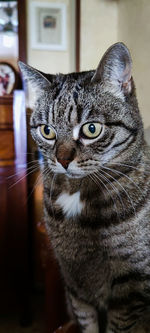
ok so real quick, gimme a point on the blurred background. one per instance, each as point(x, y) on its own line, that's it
point(53, 36)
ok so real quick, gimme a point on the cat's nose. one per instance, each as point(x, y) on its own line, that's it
point(64, 163)
point(65, 154)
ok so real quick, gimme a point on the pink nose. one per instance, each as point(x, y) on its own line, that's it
point(64, 162)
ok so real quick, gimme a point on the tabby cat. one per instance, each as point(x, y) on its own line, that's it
point(96, 190)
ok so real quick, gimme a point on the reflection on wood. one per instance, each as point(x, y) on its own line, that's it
point(55, 304)
point(19, 122)
point(69, 327)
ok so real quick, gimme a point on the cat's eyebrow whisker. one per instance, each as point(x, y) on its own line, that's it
point(127, 194)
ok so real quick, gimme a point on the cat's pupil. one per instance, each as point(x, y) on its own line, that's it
point(47, 130)
point(92, 128)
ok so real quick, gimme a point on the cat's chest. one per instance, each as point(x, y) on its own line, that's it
point(77, 202)
point(70, 204)
point(75, 199)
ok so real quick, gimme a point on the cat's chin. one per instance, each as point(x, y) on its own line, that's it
point(73, 175)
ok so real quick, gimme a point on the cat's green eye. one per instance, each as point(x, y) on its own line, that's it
point(47, 132)
point(91, 130)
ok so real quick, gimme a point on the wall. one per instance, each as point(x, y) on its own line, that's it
point(9, 49)
point(53, 61)
point(99, 29)
point(134, 31)
point(103, 22)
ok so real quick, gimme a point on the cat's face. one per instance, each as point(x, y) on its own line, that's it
point(86, 120)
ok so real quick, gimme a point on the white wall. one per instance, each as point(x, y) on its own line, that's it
point(104, 22)
point(9, 49)
point(134, 30)
point(99, 24)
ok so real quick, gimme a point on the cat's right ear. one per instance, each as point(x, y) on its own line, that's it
point(35, 82)
point(114, 71)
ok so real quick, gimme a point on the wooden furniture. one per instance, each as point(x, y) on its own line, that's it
point(7, 150)
point(14, 277)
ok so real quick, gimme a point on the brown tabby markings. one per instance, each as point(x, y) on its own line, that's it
point(96, 191)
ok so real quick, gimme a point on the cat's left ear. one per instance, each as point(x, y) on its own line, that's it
point(114, 70)
point(34, 76)
point(35, 82)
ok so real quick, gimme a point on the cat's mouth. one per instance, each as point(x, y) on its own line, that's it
point(69, 171)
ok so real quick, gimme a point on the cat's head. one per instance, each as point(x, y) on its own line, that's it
point(82, 121)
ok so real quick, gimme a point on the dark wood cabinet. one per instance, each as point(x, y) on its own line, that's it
point(14, 276)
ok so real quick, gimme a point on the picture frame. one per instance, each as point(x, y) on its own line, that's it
point(48, 26)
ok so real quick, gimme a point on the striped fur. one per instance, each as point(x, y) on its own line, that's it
point(96, 191)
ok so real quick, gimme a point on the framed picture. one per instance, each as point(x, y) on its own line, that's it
point(48, 26)
point(8, 78)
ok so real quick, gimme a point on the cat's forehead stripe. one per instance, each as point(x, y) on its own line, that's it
point(72, 114)
point(69, 113)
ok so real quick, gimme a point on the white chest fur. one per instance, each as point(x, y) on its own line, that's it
point(70, 204)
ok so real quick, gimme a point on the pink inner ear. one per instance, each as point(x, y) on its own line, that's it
point(127, 86)
point(126, 79)
point(127, 73)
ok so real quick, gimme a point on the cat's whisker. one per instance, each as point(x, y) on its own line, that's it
point(33, 161)
point(51, 190)
point(117, 192)
point(91, 176)
point(97, 182)
point(39, 178)
point(124, 175)
point(15, 174)
point(32, 167)
point(37, 182)
point(20, 170)
point(26, 154)
point(25, 175)
point(105, 178)
point(127, 194)
point(131, 166)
